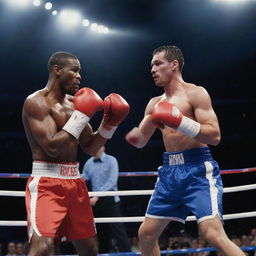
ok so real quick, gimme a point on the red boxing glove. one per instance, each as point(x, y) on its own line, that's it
point(86, 103)
point(165, 113)
point(115, 111)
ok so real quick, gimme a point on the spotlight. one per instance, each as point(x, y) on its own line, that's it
point(55, 12)
point(70, 17)
point(36, 2)
point(105, 30)
point(94, 26)
point(48, 6)
point(231, 1)
point(85, 22)
point(18, 2)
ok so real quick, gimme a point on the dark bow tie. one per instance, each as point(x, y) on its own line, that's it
point(97, 160)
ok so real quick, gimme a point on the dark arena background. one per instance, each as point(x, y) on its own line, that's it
point(218, 41)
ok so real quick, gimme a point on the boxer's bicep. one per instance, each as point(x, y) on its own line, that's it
point(43, 130)
point(40, 123)
point(203, 110)
point(206, 116)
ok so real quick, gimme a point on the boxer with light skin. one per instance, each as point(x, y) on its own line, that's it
point(56, 122)
point(189, 180)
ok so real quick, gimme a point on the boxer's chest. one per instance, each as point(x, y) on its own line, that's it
point(61, 113)
point(182, 103)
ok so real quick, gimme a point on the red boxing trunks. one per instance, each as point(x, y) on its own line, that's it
point(57, 202)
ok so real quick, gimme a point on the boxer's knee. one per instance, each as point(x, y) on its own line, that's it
point(214, 237)
point(41, 246)
point(93, 250)
point(86, 247)
point(213, 232)
point(145, 236)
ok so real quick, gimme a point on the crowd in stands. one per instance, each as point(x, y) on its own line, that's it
point(14, 249)
point(183, 241)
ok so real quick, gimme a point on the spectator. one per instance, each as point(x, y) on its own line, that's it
point(135, 244)
point(245, 240)
point(11, 249)
point(253, 233)
point(20, 249)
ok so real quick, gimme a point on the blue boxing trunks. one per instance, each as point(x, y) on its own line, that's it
point(189, 182)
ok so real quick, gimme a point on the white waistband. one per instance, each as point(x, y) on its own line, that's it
point(176, 159)
point(56, 170)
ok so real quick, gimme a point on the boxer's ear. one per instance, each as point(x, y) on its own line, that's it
point(57, 70)
point(174, 65)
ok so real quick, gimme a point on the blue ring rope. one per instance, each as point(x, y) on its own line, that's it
point(176, 251)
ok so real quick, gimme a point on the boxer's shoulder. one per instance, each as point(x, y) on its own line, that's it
point(37, 102)
point(153, 102)
point(156, 99)
point(192, 88)
point(195, 93)
point(40, 95)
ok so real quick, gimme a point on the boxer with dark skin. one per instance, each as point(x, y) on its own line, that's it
point(189, 179)
point(56, 122)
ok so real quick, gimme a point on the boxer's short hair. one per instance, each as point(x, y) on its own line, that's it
point(60, 59)
point(172, 53)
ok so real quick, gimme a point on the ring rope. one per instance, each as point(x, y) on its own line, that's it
point(207, 249)
point(128, 174)
point(232, 216)
point(175, 251)
point(189, 218)
point(130, 192)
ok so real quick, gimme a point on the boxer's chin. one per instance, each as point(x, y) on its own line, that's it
point(72, 91)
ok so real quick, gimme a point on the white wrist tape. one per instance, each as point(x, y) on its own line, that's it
point(189, 127)
point(106, 131)
point(76, 123)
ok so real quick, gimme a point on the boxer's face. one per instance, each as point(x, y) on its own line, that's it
point(70, 76)
point(161, 69)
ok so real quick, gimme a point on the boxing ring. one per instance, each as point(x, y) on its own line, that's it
point(13, 223)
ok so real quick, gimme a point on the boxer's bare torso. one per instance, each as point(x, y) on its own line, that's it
point(185, 97)
point(43, 109)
